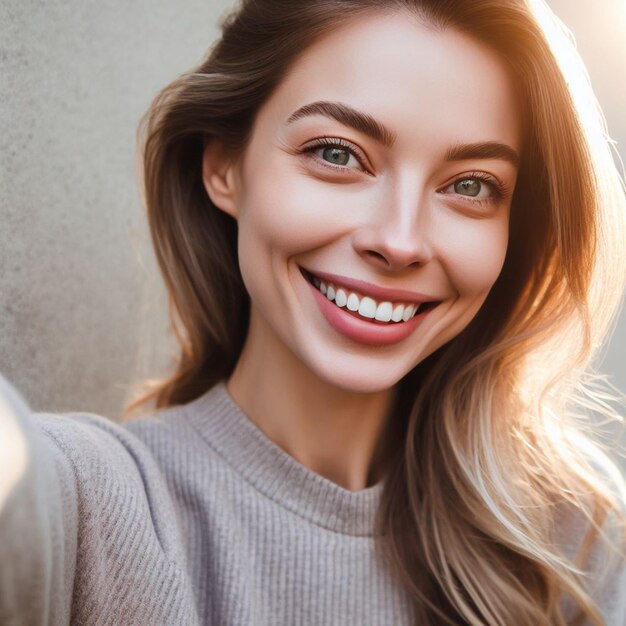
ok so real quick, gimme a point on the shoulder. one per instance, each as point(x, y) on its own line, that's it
point(571, 523)
point(65, 448)
point(97, 448)
point(174, 436)
point(605, 561)
point(109, 459)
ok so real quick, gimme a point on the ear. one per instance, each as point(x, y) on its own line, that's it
point(218, 176)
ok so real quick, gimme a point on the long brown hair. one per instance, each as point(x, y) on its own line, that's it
point(487, 435)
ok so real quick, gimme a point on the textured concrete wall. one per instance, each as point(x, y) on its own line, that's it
point(82, 311)
point(81, 308)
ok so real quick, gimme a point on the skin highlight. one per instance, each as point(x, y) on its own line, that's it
point(393, 214)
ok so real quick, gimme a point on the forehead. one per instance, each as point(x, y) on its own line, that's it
point(428, 86)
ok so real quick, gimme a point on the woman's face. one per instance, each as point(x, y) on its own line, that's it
point(387, 155)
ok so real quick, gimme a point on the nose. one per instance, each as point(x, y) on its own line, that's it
point(396, 235)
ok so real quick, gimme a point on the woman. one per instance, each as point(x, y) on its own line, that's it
point(391, 248)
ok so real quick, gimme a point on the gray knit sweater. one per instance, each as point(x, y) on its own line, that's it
point(193, 516)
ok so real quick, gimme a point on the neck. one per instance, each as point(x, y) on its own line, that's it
point(332, 431)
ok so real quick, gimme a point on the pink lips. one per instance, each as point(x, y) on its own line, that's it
point(361, 330)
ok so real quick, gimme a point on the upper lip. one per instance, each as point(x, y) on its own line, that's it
point(381, 294)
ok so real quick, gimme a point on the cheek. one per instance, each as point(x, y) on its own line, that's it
point(473, 252)
point(290, 212)
point(281, 215)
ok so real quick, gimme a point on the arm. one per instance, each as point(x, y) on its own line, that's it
point(37, 520)
point(88, 530)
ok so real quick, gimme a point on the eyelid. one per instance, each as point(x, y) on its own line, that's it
point(321, 142)
point(499, 189)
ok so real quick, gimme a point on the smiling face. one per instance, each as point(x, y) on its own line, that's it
point(387, 155)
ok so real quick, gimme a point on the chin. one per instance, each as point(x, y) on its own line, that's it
point(353, 379)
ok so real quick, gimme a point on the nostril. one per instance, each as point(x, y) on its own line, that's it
point(395, 262)
point(377, 256)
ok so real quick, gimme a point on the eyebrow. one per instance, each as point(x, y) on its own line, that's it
point(483, 150)
point(366, 124)
point(347, 116)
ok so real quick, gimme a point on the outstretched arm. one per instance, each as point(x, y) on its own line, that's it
point(37, 520)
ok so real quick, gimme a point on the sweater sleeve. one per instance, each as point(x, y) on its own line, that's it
point(88, 530)
point(38, 520)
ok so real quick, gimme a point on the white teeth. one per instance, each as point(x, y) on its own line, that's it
point(367, 308)
point(396, 316)
point(383, 312)
point(408, 312)
point(341, 298)
point(353, 302)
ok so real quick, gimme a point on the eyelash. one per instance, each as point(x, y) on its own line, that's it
point(334, 142)
point(498, 188)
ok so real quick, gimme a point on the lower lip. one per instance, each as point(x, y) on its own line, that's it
point(370, 333)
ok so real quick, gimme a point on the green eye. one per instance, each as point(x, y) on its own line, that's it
point(468, 187)
point(336, 153)
point(477, 188)
point(337, 156)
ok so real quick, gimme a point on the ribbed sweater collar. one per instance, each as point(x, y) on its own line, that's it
point(276, 474)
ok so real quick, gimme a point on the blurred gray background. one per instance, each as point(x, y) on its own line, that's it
point(83, 314)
